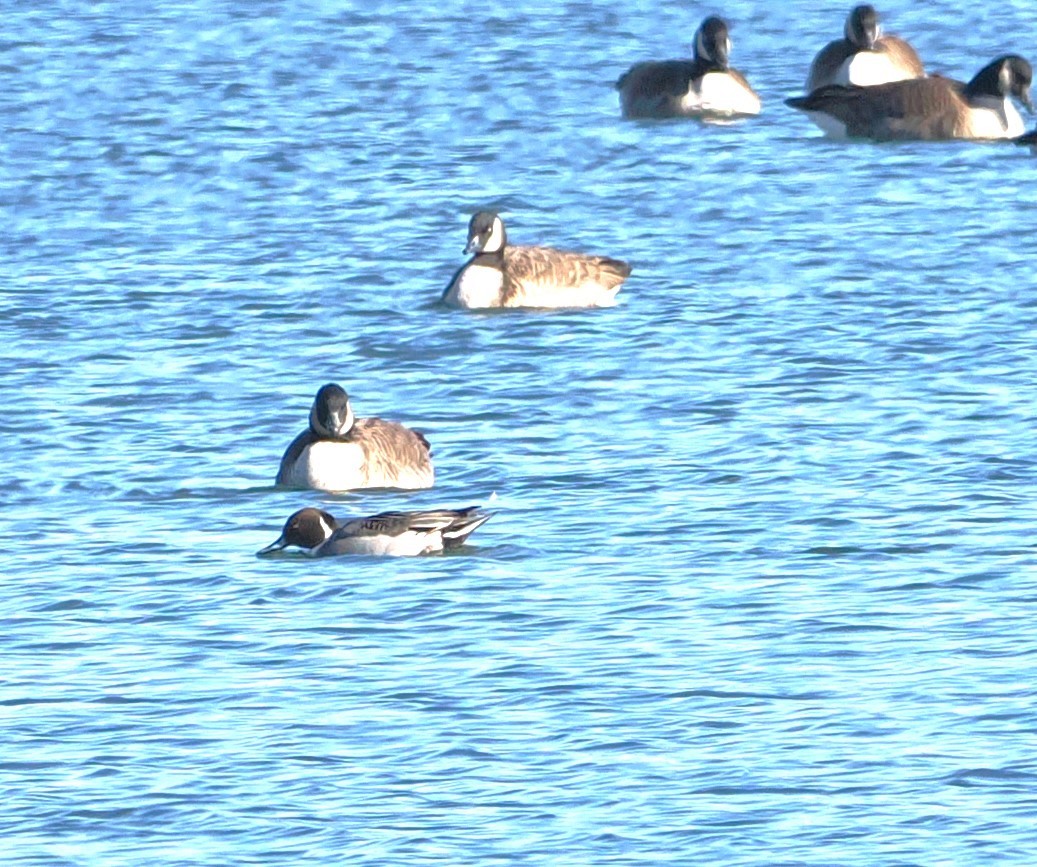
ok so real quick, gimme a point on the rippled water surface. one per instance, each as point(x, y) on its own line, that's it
point(760, 582)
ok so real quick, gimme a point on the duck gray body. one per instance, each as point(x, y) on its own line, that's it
point(864, 56)
point(929, 109)
point(394, 534)
point(704, 86)
point(504, 275)
point(339, 452)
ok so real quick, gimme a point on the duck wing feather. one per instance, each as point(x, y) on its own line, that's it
point(448, 521)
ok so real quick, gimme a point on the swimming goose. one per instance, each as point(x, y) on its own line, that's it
point(864, 56)
point(502, 275)
point(397, 534)
point(702, 87)
point(339, 452)
point(929, 109)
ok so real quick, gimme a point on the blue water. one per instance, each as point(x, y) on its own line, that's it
point(760, 582)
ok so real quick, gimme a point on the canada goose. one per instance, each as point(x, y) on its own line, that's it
point(396, 534)
point(339, 452)
point(864, 56)
point(929, 109)
point(502, 275)
point(702, 87)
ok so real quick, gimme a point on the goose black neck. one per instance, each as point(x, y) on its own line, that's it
point(488, 259)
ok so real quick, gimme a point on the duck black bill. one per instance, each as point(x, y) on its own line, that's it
point(279, 545)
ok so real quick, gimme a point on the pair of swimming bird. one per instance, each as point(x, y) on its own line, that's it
point(340, 452)
point(865, 85)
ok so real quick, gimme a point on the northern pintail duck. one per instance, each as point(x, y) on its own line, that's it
point(705, 86)
point(339, 452)
point(864, 56)
point(396, 534)
point(931, 109)
point(503, 275)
